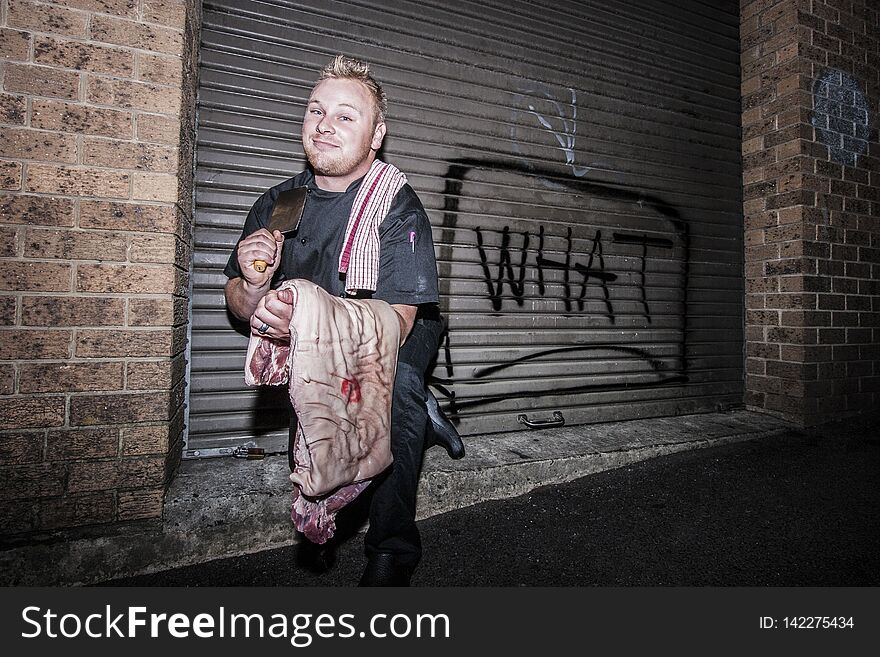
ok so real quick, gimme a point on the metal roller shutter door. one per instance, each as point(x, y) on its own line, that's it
point(579, 161)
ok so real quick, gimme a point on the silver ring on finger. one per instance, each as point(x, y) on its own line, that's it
point(263, 328)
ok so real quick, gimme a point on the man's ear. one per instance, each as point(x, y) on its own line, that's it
point(378, 136)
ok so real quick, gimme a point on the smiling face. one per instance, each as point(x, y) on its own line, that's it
point(340, 133)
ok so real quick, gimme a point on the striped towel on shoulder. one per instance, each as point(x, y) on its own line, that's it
point(359, 260)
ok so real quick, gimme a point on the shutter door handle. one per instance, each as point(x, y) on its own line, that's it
point(557, 421)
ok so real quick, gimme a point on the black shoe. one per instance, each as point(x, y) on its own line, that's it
point(315, 558)
point(386, 570)
point(441, 431)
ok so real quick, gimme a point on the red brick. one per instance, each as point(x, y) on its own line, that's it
point(761, 220)
point(30, 344)
point(825, 42)
point(858, 302)
point(155, 375)
point(844, 285)
point(129, 279)
point(75, 245)
point(765, 384)
point(789, 266)
point(77, 511)
point(131, 408)
point(141, 504)
point(171, 13)
point(127, 8)
point(47, 18)
point(155, 187)
point(14, 45)
point(7, 379)
point(37, 210)
point(760, 159)
point(759, 98)
point(756, 366)
point(793, 83)
point(157, 312)
point(63, 53)
point(138, 343)
point(121, 473)
point(154, 248)
point(755, 38)
point(787, 301)
point(132, 34)
point(66, 445)
point(7, 310)
point(832, 302)
point(128, 155)
point(158, 128)
point(8, 242)
point(70, 117)
point(79, 181)
point(31, 481)
point(755, 255)
point(133, 95)
point(792, 335)
point(160, 70)
point(10, 175)
point(785, 233)
point(844, 318)
point(41, 81)
point(27, 144)
point(756, 66)
point(808, 318)
point(799, 197)
point(759, 190)
point(128, 216)
point(797, 164)
point(832, 336)
point(34, 276)
point(145, 440)
point(762, 317)
point(762, 350)
point(21, 447)
point(32, 412)
point(70, 377)
point(13, 109)
point(72, 311)
point(804, 248)
point(92, 476)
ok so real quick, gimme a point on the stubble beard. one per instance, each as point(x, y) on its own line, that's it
point(332, 165)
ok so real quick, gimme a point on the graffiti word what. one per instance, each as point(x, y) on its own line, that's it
point(579, 272)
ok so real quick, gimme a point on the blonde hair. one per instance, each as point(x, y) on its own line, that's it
point(347, 68)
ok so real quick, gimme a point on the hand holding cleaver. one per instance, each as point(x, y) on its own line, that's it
point(286, 215)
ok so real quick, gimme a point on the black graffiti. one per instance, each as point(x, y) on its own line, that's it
point(645, 241)
point(510, 271)
point(587, 271)
point(505, 269)
point(594, 269)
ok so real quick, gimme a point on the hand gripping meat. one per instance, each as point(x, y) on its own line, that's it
point(341, 363)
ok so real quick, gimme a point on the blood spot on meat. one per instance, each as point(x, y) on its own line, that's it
point(351, 390)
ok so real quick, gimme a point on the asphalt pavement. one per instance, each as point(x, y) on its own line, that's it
point(801, 508)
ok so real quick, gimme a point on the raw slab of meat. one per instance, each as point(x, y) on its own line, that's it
point(340, 364)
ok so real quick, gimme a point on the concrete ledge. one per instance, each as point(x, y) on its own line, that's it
point(220, 508)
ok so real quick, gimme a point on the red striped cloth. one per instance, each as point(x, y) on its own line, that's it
point(359, 260)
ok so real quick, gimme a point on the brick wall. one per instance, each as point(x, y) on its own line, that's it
point(96, 109)
point(811, 175)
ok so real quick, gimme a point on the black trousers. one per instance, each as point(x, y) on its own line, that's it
point(392, 495)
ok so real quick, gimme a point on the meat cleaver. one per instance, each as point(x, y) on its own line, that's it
point(286, 215)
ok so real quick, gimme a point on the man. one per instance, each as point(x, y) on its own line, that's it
point(343, 129)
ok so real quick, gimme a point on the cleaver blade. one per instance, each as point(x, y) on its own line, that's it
point(286, 215)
